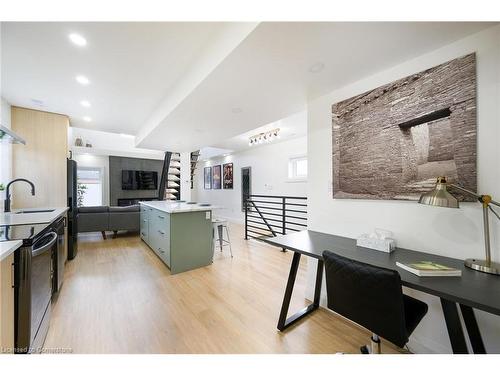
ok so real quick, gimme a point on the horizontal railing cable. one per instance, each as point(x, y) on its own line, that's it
point(272, 215)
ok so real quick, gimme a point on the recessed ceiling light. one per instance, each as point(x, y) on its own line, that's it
point(127, 135)
point(237, 110)
point(78, 39)
point(82, 80)
point(316, 67)
point(85, 103)
point(87, 119)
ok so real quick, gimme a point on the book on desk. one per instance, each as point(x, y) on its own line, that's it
point(428, 268)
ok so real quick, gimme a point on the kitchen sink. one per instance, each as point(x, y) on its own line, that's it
point(32, 211)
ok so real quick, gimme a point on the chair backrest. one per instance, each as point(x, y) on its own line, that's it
point(368, 295)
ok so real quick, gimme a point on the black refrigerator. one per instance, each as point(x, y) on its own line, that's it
point(73, 210)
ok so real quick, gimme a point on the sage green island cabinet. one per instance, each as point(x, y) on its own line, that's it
point(179, 233)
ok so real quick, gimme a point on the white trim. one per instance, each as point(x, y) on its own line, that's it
point(101, 179)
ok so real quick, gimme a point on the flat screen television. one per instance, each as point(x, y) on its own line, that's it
point(139, 180)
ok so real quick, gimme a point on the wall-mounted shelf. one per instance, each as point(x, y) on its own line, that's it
point(78, 150)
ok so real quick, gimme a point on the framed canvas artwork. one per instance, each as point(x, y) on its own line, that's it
point(394, 141)
point(216, 177)
point(227, 176)
point(207, 178)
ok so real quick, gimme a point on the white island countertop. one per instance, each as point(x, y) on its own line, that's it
point(8, 247)
point(13, 218)
point(172, 207)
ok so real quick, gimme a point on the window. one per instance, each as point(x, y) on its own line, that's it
point(297, 168)
point(89, 186)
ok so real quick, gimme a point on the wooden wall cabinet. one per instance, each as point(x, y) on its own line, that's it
point(6, 305)
point(42, 160)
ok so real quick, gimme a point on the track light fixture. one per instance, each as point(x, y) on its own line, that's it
point(265, 137)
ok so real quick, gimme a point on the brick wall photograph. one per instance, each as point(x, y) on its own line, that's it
point(392, 142)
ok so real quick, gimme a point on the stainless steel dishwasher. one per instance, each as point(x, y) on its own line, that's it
point(33, 282)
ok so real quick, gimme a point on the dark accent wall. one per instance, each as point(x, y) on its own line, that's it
point(117, 164)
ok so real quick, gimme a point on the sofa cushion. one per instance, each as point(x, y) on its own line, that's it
point(92, 221)
point(124, 221)
point(93, 209)
point(133, 208)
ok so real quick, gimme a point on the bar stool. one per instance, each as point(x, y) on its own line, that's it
point(218, 227)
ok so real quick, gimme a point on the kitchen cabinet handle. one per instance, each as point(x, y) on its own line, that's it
point(12, 276)
point(144, 220)
point(162, 232)
point(161, 217)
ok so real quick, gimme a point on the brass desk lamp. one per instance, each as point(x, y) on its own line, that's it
point(440, 197)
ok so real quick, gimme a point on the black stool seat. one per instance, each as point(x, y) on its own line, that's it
point(372, 297)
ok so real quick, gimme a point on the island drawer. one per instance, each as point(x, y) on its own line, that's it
point(144, 230)
point(159, 234)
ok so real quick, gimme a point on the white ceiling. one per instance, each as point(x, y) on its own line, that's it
point(131, 67)
point(183, 86)
point(291, 127)
point(267, 75)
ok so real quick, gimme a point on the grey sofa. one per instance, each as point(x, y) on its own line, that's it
point(104, 218)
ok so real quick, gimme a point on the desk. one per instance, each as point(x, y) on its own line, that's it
point(472, 290)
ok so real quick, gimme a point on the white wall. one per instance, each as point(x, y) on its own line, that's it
point(5, 149)
point(269, 176)
point(185, 176)
point(106, 143)
point(453, 233)
point(99, 162)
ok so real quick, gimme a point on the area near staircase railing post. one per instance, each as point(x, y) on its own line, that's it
point(270, 215)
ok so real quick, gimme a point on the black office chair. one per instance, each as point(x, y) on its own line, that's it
point(372, 297)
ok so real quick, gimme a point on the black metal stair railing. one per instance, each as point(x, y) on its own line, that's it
point(272, 215)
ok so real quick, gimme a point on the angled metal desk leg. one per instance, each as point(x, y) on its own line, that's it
point(283, 322)
point(454, 327)
point(473, 330)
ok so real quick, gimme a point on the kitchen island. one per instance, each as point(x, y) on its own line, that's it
point(179, 233)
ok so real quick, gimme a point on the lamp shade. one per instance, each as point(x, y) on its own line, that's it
point(439, 196)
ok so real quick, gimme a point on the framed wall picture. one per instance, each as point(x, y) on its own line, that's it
point(216, 177)
point(394, 141)
point(227, 176)
point(207, 178)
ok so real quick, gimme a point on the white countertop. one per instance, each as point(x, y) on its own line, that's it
point(175, 207)
point(11, 218)
point(8, 247)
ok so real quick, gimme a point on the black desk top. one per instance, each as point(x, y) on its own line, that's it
point(473, 288)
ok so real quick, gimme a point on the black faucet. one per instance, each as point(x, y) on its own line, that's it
point(7, 193)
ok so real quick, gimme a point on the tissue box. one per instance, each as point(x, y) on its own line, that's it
point(386, 245)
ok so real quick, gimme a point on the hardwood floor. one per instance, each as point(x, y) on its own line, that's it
point(118, 297)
